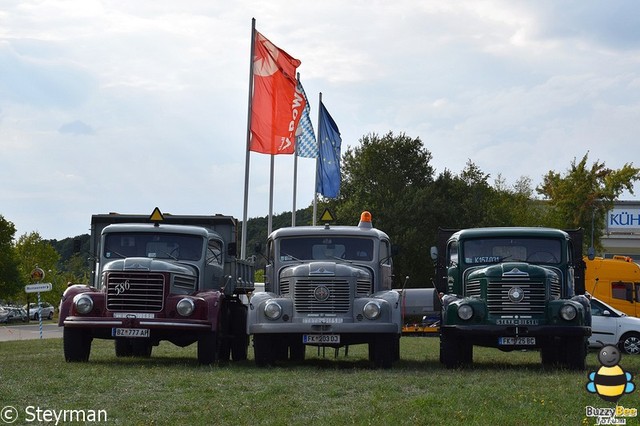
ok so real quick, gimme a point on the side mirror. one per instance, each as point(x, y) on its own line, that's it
point(606, 313)
point(591, 253)
point(434, 253)
point(232, 249)
point(257, 248)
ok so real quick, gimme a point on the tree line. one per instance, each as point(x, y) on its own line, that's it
point(392, 177)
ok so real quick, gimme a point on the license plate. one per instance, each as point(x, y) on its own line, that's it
point(518, 341)
point(320, 338)
point(130, 332)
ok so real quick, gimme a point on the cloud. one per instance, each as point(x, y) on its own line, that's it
point(76, 128)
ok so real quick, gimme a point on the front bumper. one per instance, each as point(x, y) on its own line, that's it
point(350, 328)
point(151, 323)
point(487, 335)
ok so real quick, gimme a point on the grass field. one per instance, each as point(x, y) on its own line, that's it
point(170, 388)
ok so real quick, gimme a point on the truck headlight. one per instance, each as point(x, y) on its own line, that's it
point(465, 311)
point(83, 303)
point(272, 310)
point(371, 310)
point(568, 312)
point(185, 307)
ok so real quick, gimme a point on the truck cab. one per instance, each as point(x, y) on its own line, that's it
point(512, 288)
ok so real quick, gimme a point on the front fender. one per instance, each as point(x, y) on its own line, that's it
point(67, 300)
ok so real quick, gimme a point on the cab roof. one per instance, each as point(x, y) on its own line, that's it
point(510, 232)
point(326, 230)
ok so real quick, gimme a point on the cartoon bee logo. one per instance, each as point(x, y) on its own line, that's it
point(610, 382)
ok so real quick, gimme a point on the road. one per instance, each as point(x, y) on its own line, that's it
point(30, 331)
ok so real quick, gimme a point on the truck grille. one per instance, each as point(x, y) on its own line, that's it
point(338, 300)
point(498, 297)
point(184, 283)
point(473, 288)
point(363, 287)
point(135, 291)
point(285, 285)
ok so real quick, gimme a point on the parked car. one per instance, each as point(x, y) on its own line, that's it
point(17, 314)
point(610, 326)
point(4, 315)
point(47, 310)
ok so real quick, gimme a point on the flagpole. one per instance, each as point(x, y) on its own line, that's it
point(243, 242)
point(295, 185)
point(295, 174)
point(315, 186)
point(270, 219)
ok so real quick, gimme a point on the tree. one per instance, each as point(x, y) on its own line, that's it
point(32, 251)
point(388, 176)
point(10, 280)
point(583, 195)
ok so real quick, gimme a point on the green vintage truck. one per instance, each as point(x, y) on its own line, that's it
point(512, 288)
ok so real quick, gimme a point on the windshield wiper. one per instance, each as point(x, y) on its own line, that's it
point(290, 256)
point(116, 253)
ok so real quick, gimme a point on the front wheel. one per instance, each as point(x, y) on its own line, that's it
point(77, 344)
point(382, 352)
point(455, 353)
point(263, 350)
point(630, 343)
point(207, 346)
point(575, 353)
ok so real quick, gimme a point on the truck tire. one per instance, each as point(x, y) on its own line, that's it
point(575, 353)
point(240, 340)
point(207, 348)
point(77, 344)
point(396, 348)
point(383, 351)
point(630, 343)
point(263, 349)
point(455, 353)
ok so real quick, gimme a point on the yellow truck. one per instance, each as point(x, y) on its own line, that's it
point(615, 281)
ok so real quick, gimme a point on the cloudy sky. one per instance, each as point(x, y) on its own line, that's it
point(123, 106)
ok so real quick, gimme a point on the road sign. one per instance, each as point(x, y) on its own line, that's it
point(37, 274)
point(38, 288)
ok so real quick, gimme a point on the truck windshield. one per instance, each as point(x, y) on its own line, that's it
point(326, 248)
point(494, 250)
point(154, 245)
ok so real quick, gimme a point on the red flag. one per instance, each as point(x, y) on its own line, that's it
point(276, 105)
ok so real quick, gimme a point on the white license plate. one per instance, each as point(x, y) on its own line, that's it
point(520, 341)
point(130, 332)
point(320, 338)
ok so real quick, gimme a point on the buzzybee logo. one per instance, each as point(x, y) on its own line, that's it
point(610, 382)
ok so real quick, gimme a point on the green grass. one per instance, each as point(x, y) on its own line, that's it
point(170, 388)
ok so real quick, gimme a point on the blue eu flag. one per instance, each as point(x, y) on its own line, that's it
point(329, 142)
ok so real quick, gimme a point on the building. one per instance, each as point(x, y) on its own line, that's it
point(622, 232)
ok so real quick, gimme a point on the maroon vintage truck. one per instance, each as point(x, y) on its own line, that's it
point(161, 277)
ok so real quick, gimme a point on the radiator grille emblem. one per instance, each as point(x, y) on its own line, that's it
point(516, 294)
point(321, 293)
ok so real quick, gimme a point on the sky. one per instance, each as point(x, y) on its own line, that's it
point(122, 106)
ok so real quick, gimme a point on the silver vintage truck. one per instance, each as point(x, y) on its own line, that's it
point(328, 286)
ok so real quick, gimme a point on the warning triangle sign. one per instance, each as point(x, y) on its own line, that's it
point(156, 216)
point(327, 216)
